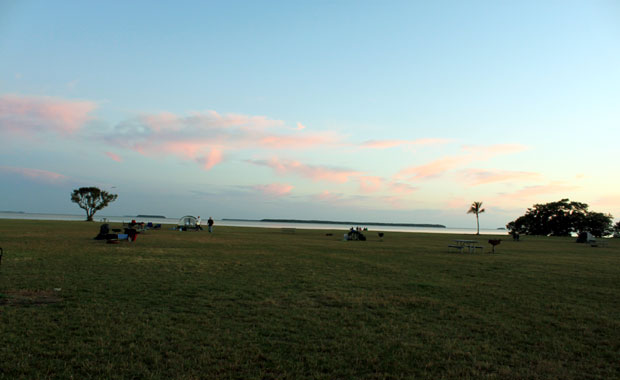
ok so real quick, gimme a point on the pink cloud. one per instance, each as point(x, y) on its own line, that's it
point(274, 189)
point(213, 158)
point(31, 115)
point(537, 191)
point(296, 142)
point(473, 153)
point(114, 157)
point(402, 188)
point(477, 177)
point(237, 120)
point(432, 169)
point(300, 126)
point(385, 144)
point(36, 175)
point(204, 137)
point(485, 152)
point(191, 150)
point(313, 172)
point(370, 184)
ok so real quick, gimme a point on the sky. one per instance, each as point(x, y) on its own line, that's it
point(385, 111)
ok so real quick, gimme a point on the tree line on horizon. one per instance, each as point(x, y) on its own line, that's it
point(561, 218)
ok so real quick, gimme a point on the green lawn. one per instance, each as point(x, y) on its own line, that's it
point(249, 303)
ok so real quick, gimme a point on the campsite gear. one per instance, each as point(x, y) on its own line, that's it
point(186, 223)
point(585, 237)
point(494, 242)
point(151, 226)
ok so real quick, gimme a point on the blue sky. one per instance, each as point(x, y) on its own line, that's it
point(386, 111)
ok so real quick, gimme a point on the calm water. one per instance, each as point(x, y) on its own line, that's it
point(234, 223)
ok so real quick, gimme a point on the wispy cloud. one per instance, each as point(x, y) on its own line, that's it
point(432, 169)
point(475, 177)
point(313, 172)
point(445, 164)
point(36, 175)
point(329, 197)
point(300, 126)
point(371, 184)
point(205, 137)
point(32, 115)
point(484, 152)
point(114, 157)
point(402, 188)
point(386, 144)
point(213, 158)
point(274, 189)
point(537, 191)
point(297, 142)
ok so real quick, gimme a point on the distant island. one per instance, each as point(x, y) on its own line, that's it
point(151, 216)
point(353, 223)
point(13, 212)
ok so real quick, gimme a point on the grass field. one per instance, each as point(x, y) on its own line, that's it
point(249, 303)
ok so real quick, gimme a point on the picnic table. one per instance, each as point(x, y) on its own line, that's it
point(469, 245)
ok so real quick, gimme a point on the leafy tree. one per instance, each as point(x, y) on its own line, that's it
point(598, 224)
point(476, 208)
point(561, 219)
point(617, 229)
point(92, 200)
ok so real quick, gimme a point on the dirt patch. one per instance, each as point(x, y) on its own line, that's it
point(29, 297)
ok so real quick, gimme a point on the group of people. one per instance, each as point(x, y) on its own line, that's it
point(355, 234)
point(209, 223)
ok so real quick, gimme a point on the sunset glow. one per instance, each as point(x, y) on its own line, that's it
point(396, 112)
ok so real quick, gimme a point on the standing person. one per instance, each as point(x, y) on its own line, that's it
point(210, 224)
point(198, 226)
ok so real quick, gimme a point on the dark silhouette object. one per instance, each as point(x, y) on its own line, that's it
point(380, 235)
point(582, 237)
point(493, 243)
point(355, 235)
point(1, 252)
point(515, 235)
point(562, 218)
point(104, 231)
point(112, 238)
point(476, 208)
point(586, 237)
point(92, 199)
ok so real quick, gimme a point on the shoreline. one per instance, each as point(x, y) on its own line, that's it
point(348, 223)
point(255, 224)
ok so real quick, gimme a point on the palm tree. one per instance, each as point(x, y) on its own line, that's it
point(476, 208)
